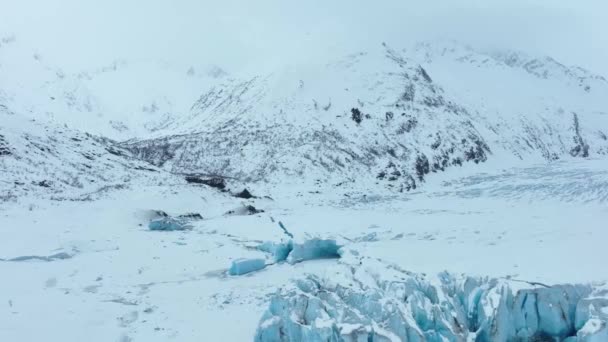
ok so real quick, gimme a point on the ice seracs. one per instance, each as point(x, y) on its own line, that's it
point(369, 301)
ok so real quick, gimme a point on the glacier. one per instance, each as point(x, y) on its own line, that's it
point(315, 248)
point(278, 250)
point(356, 303)
point(244, 266)
point(167, 224)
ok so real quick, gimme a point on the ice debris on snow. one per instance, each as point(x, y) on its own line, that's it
point(244, 266)
point(278, 250)
point(314, 249)
point(591, 319)
point(289, 251)
point(161, 221)
point(356, 303)
point(167, 224)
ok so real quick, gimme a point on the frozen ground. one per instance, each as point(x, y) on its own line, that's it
point(92, 270)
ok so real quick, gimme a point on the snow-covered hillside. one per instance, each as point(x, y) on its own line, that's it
point(535, 105)
point(387, 116)
point(121, 100)
point(37, 158)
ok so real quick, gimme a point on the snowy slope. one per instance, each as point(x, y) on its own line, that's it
point(371, 114)
point(54, 161)
point(537, 105)
point(120, 100)
point(303, 122)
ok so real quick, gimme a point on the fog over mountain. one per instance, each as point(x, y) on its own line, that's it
point(244, 35)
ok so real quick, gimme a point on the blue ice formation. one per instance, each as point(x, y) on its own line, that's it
point(591, 319)
point(408, 307)
point(314, 249)
point(279, 251)
point(244, 266)
point(167, 224)
point(288, 251)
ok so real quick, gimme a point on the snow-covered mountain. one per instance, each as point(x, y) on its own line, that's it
point(121, 100)
point(366, 178)
point(383, 116)
point(41, 158)
point(387, 116)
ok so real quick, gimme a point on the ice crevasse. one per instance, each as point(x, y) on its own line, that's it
point(373, 301)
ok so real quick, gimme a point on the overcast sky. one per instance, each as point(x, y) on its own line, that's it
point(258, 34)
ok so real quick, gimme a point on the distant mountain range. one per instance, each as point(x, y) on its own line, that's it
point(382, 117)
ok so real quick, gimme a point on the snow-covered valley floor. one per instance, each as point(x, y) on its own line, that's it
point(99, 273)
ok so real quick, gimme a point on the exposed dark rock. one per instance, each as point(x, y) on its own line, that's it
point(215, 182)
point(394, 175)
point(422, 166)
point(407, 126)
point(4, 150)
point(191, 216)
point(159, 213)
point(434, 101)
point(156, 152)
point(253, 210)
point(44, 183)
point(244, 194)
point(409, 184)
point(54, 257)
point(141, 168)
point(115, 152)
point(408, 93)
point(245, 210)
point(440, 162)
point(580, 149)
point(356, 115)
point(424, 74)
point(435, 145)
point(477, 152)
